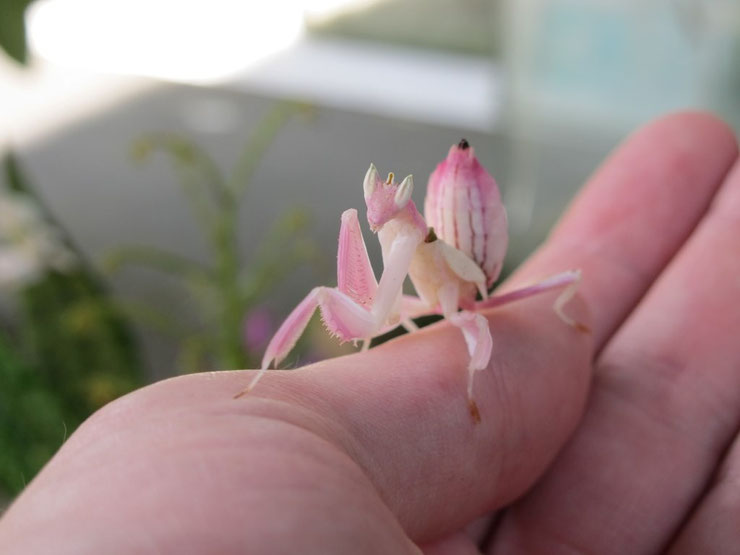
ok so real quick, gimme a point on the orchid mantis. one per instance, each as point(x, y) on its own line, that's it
point(452, 255)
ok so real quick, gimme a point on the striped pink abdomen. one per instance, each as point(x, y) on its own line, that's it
point(463, 205)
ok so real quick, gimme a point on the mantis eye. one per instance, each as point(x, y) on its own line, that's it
point(371, 178)
point(403, 194)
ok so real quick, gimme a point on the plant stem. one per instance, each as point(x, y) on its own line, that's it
point(230, 351)
point(224, 236)
point(262, 138)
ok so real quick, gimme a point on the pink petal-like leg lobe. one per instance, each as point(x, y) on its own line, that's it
point(343, 317)
point(477, 336)
point(476, 332)
point(355, 275)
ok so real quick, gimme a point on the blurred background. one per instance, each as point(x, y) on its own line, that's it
point(174, 171)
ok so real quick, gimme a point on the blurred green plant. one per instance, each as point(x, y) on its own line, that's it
point(13, 29)
point(225, 290)
point(32, 421)
point(66, 350)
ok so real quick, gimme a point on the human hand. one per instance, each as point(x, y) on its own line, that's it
point(376, 452)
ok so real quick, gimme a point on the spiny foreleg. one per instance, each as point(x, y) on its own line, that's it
point(342, 316)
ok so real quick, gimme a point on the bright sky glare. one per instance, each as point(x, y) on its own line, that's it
point(190, 41)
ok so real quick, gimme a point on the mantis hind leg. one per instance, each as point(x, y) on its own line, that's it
point(568, 281)
point(476, 332)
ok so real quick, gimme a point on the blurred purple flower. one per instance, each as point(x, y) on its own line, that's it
point(259, 325)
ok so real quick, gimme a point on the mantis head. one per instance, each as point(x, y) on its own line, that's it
point(385, 199)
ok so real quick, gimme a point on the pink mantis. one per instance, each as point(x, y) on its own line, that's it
point(453, 254)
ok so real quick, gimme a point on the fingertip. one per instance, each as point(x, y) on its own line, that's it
point(693, 124)
point(682, 134)
point(637, 210)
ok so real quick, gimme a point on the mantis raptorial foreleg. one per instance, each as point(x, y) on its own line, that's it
point(358, 308)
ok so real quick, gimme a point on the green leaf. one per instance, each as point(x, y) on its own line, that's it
point(13, 29)
point(14, 178)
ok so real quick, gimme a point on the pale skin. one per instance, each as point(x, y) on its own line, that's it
point(374, 453)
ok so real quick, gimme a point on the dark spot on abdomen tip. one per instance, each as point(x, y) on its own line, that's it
point(463, 144)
